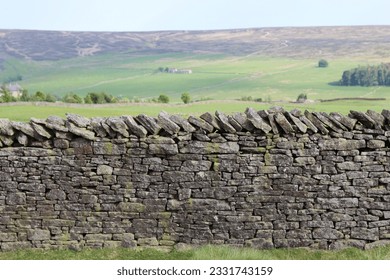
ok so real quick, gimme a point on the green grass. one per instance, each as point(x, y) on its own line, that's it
point(23, 112)
point(202, 253)
point(218, 77)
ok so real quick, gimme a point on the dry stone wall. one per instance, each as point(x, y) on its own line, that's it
point(264, 179)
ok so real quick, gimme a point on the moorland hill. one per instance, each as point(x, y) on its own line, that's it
point(286, 42)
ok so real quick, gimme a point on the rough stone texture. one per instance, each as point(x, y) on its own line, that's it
point(78, 120)
point(200, 123)
point(150, 124)
point(168, 125)
point(183, 123)
point(257, 121)
point(6, 127)
point(264, 179)
point(136, 129)
point(118, 125)
point(87, 134)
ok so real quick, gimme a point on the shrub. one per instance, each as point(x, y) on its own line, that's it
point(246, 98)
point(323, 63)
point(99, 98)
point(50, 98)
point(302, 98)
point(72, 98)
point(39, 96)
point(163, 99)
point(186, 98)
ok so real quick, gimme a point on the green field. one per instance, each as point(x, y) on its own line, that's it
point(217, 77)
point(23, 112)
point(221, 79)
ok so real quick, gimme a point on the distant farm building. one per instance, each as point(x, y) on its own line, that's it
point(179, 71)
point(14, 89)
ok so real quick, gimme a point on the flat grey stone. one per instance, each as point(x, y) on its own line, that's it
point(209, 118)
point(136, 129)
point(149, 123)
point(257, 121)
point(226, 126)
point(78, 120)
point(183, 123)
point(201, 124)
point(118, 125)
point(6, 127)
point(165, 122)
point(82, 132)
point(284, 123)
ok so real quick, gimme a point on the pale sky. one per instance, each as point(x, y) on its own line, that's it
point(152, 15)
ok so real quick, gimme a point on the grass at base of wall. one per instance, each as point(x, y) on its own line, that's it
point(201, 253)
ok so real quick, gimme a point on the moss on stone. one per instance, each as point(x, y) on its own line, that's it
point(108, 148)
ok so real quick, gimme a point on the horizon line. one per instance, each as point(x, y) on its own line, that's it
point(194, 30)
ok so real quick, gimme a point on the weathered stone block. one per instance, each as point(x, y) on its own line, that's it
point(341, 144)
point(165, 122)
point(177, 176)
point(78, 120)
point(104, 170)
point(38, 234)
point(277, 159)
point(193, 165)
point(302, 161)
point(337, 203)
point(108, 148)
point(118, 125)
point(16, 198)
point(132, 207)
point(206, 148)
point(327, 233)
point(6, 127)
point(257, 121)
point(8, 237)
point(260, 243)
point(163, 149)
point(82, 132)
point(136, 129)
point(209, 118)
point(375, 144)
point(371, 234)
point(61, 143)
point(348, 165)
point(56, 194)
point(98, 236)
point(183, 123)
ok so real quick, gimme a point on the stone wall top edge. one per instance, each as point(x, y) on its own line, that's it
point(276, 121)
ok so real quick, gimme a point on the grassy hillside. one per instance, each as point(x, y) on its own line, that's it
point(274, 64)
point(214, 76)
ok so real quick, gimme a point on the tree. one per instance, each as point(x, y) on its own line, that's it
point(50, 98)
point(72, 98)
point(302, 98)
point(367, 76)
point(39, 96)
point(99, 98)
point(323, 63)
point(25, 96)
point(88, 99)
point(186, 98)
point(346, 79)
point(5, 95)
point(163, 98)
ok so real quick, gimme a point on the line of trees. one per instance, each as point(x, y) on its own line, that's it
point(90, 98)
point(39, 96)
point(378, 75)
